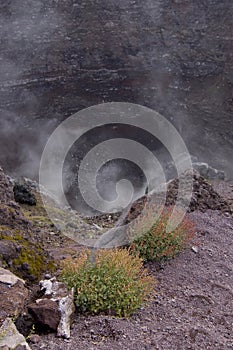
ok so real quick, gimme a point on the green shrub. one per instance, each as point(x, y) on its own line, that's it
point(157, 244)
point(115, 284)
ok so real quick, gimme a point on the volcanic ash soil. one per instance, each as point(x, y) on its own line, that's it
point(192, 303)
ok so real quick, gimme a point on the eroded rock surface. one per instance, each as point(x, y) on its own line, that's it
point(10, 338)
point(13, 295)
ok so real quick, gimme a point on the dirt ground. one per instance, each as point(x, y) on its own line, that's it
point(192, 307)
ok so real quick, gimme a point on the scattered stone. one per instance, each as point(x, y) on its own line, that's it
point(11, 338)
point(34, 339)
point(23, 195)
point(195, 249)
point(32, 185)
point(55, 308)
point(98, 227)
point(46, 286)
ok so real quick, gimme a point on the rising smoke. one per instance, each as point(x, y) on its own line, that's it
point(61, 56)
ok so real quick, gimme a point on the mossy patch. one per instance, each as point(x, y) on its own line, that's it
point(31, 261)
point(37, 220)
point(37, 214)
point(33, 264)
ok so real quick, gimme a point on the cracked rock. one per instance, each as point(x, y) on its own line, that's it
point(55, 308)
point(10, 338)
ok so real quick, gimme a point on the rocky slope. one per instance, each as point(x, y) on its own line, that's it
point(191, 308)
point(193, 296)
point(21, 240)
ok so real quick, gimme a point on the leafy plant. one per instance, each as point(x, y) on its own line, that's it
point(115, 284)
point(156, 243)
point(31, 332)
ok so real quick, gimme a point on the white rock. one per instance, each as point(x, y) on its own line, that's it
point(8, 277)
point(58, 292)
point(195, 249)
point(10, 337)
point(67, 308)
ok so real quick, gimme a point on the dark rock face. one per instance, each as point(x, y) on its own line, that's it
point(23, 195)
point(46, 313)
point(204, 197)
point(5, 188)
point(8, 251)
point(58, 57)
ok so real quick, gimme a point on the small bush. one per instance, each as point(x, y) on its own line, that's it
point(157, 244)
point(115, 284)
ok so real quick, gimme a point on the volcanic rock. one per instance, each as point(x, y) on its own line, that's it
point(46, 313)
point(204, 196)
point(10, 213)
point(34, 339)
point(8, 251)
point(55, 308)
point(13, 295)
point(10, 338)
point(23, 195)
point(6, 193)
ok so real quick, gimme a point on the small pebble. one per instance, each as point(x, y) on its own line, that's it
point(195, 250)
point(21, 347)
point(25, 267)
point(34, 339)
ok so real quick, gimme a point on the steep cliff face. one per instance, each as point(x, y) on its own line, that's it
point(58, 57)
